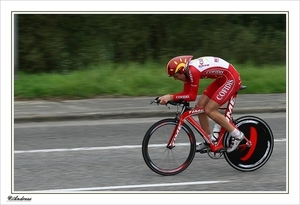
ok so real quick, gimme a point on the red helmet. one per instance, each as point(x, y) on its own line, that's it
point(177, 64)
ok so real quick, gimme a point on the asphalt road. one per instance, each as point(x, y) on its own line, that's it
point(118, 108)
point(105, 156)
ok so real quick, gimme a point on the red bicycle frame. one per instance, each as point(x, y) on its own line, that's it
point(187, 115)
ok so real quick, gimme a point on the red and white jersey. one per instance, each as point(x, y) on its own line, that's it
point(210, 67)
point(205, 67)
point(207, 62)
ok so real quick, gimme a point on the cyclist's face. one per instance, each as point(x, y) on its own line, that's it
point(178, 76)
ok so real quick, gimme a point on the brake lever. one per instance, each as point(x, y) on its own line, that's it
point(156, 100)
point(153, 101)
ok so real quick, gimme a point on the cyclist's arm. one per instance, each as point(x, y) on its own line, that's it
point(190, 89)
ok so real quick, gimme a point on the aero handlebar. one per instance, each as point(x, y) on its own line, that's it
point(172, 102)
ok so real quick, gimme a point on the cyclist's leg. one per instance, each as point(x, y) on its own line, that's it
point(221, 96)
point(203, 119)
point(211, 109)
point(203, 101)
point(207, 94)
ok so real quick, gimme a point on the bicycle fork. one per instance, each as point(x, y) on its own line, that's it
point(172, 139)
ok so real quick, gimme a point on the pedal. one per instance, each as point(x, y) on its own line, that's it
point(203, 151)
point(202, 147)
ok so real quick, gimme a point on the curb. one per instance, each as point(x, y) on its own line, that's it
point(130, 114)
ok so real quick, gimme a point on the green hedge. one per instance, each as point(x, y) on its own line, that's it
point(67, 42)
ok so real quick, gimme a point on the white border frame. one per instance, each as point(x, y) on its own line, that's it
point(149, 6)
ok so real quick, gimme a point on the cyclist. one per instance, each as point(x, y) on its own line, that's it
point(227, 82)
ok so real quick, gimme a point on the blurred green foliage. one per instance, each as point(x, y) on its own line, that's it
point(151, 81)
point(66, 42)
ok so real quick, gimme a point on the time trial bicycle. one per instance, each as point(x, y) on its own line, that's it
point(169, 145)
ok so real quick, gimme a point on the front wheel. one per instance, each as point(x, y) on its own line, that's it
point(250, 158)
point(168, 160)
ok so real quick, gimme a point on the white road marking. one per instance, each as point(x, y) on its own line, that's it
point(121, 121)
point(79, 149)
point(100, 148)
point(132, 186)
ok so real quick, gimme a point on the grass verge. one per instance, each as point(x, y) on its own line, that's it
point(134, 80)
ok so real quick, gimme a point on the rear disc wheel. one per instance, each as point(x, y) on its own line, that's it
point(250, 158)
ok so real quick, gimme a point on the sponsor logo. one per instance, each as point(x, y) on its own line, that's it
point(196, 110)
point(175, 136)
point(230, 109)
point(191, 76)
point(201, 62)
point(200, 66)
point(214, 72)
point(182, 97)
point(225, 89)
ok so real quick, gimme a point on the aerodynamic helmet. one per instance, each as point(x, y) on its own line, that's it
point(178, 64)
